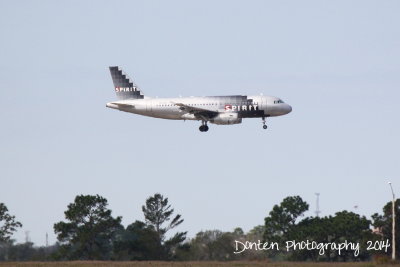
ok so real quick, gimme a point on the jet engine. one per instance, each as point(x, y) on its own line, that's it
point(226, 118)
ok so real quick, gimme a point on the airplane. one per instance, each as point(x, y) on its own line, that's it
point(222, 110)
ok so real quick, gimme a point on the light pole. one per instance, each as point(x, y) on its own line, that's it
point(393, 225)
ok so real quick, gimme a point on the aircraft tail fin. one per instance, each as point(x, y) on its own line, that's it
point(125, 88)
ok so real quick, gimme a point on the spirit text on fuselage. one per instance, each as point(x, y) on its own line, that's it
point(241, 107)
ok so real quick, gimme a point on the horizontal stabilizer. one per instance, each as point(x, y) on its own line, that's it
point(117, 105)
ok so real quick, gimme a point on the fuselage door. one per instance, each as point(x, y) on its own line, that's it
point(149, 106)
point(264, 105)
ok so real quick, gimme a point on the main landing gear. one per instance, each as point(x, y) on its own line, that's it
point(264, 125)
point(203, 127)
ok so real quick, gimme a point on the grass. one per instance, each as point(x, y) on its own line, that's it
point(190, 264)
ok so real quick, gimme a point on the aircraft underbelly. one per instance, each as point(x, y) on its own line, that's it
point(165, 114)
point(251, 114)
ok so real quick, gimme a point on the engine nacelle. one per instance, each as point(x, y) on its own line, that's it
point(226, 118)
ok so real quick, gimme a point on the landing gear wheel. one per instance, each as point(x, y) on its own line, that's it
point(203, 127)
point(264, 125)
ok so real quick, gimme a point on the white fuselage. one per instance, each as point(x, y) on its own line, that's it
point(169, 108)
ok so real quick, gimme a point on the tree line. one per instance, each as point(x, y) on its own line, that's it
point(91, 232)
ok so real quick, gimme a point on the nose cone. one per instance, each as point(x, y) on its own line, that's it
point(279, 109)
point(284, 109)
point(288, 108)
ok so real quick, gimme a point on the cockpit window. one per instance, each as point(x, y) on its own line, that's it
point(278, 101)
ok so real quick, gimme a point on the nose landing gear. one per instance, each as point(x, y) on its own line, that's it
point(264, 123)
point(203, 127)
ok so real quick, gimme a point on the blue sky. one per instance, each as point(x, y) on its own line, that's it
point(336, 63)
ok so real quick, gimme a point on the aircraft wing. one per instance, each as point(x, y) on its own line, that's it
point(201, 113)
